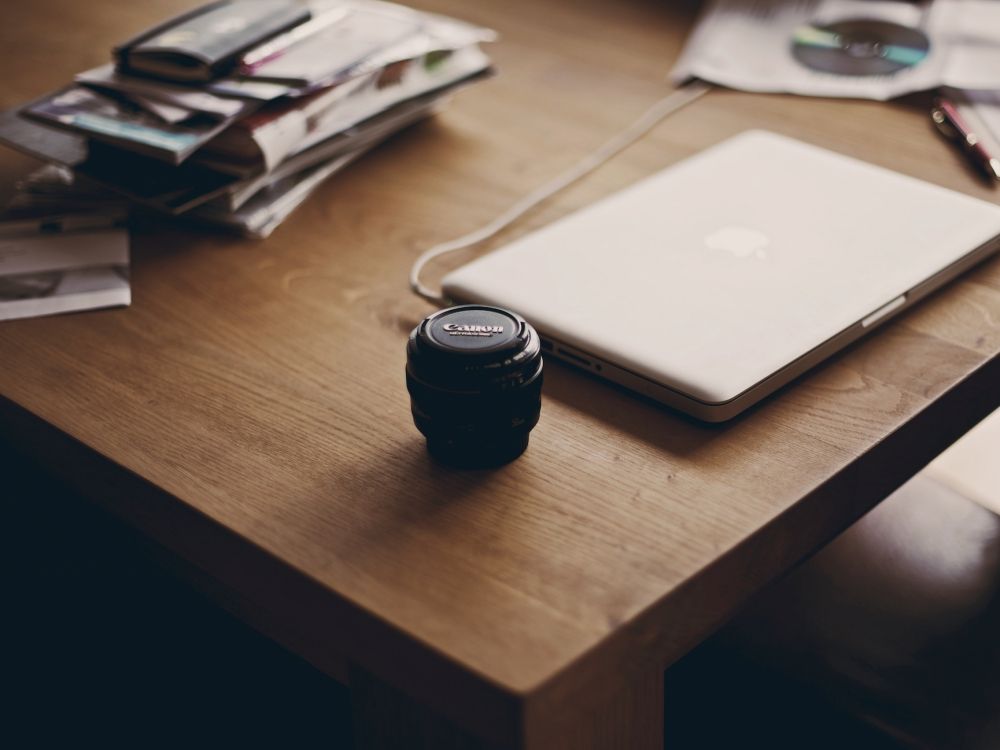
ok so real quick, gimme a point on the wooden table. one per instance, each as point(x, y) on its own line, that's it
point(248, 411)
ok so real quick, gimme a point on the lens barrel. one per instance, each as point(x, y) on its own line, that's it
point(474, 374)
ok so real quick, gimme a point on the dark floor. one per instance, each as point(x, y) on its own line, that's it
point(104, 648)
point(109, 650)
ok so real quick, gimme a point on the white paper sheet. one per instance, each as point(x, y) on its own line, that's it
point(44, 274)
point(749, 45)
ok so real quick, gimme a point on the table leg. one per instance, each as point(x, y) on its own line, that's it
point(385, 718)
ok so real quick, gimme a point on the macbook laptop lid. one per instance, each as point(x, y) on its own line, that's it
point(713, 282)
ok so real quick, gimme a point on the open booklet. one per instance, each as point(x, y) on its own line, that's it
point(871, 49)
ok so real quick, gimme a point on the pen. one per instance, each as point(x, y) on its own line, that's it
point(953, 126)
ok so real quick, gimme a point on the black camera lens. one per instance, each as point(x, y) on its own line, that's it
point(474, 374)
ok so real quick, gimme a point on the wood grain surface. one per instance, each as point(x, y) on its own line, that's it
point(249, 411)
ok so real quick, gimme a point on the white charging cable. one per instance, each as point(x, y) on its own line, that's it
point(647, 121)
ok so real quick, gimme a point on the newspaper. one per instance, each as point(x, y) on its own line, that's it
point(870, 49)
point(357, 139)
point(269, 123)
point(121, 122)
point(62, 264)
point(268, 208)
point(107, 78)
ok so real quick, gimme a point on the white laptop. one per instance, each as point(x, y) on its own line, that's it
point(711, 284)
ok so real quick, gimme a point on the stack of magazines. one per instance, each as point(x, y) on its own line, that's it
point(236, 111)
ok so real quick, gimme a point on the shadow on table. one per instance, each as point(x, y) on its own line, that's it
point(421, 496)
point(625, 410)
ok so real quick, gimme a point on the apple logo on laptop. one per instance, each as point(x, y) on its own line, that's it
point(742, 242)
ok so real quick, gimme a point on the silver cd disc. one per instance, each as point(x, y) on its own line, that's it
point(859, 47)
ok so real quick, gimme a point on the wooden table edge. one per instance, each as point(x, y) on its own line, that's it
point(315, 622)
point(649, 641)
point(234, 571)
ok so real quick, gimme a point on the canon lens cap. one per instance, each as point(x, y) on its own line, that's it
point(474, 374)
